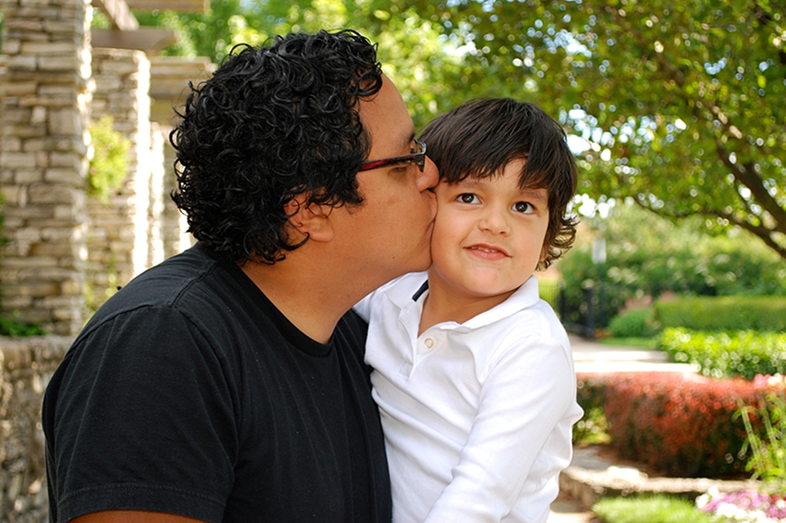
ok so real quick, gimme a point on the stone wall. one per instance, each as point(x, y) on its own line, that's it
point(3, 72)
point(25, 368)
point(43, 161)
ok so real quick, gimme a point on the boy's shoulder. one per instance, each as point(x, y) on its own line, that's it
point(525, 300)
point(523, 315)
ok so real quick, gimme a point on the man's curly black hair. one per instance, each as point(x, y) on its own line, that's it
point(273, 122)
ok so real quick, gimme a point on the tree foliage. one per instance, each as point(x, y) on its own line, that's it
point(679, 106)
point(109, 162)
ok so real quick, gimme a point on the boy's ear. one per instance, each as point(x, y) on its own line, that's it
point(308, 220)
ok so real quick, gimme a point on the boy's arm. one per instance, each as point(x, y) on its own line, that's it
point(522, 434)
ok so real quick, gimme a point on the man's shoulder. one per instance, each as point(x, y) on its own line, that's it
point(166, 286)
point(175, 274)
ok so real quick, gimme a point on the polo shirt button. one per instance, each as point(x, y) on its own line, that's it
point(429, 343)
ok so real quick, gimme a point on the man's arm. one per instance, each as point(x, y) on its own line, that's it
point(132, 516)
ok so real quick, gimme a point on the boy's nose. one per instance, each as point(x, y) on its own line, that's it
point(494, 221)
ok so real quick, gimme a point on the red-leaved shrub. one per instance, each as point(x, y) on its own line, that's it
point(682, 424)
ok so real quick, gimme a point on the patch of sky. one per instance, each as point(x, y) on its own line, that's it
point(589, 207)
point(715, 68)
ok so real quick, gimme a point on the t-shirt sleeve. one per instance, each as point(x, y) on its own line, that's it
point(141, 416)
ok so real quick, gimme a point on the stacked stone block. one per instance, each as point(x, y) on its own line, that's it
point(171, 74)
point(43, 162)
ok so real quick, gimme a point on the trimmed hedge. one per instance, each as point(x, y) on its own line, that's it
point(682, 424)
point(633, 323)
point(723, 313)
point(721, 354)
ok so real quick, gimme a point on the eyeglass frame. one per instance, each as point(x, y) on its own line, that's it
point(418, 159)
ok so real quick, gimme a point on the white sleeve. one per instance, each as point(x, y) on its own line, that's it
point(525, 397)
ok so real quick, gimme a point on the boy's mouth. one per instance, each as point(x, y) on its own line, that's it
point(487, 251)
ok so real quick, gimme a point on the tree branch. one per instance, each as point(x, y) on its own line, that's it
point(760, 231)
point(755, 184)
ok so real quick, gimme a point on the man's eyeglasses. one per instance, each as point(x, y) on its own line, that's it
point(418, 157)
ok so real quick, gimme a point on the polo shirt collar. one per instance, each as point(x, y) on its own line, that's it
point(411, 294)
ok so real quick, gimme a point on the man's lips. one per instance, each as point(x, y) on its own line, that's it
point(487, 251)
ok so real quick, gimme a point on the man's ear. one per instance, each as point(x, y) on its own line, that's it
point(308, 220)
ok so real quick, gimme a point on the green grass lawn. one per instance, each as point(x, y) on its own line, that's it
point(649, 509)
point(643, 343)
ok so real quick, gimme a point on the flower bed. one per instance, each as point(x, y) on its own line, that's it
point(683, 424)
point(748, 506)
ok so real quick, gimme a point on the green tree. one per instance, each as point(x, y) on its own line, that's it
point(411, 50)
point(109, 163)
point(679, 106)
point(647, 255)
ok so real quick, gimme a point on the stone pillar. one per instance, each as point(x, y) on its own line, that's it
point(174, 224)
point(43, 161)
point(156, 251)
point(169, 88)
point(120, 230)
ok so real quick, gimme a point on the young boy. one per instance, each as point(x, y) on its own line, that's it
point(473, 373)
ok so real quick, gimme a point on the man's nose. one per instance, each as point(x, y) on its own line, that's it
point(429, 178)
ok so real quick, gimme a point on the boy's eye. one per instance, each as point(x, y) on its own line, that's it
point(523, 207)
point(467, 198)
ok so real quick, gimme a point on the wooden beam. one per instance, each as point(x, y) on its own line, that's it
point(151, 41)
point(181, 6)
point(118, 13)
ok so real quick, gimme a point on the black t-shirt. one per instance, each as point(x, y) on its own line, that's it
point(190, 393)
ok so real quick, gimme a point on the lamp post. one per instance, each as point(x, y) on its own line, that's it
point(599, 258)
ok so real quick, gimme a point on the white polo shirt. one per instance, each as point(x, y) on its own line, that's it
point(477, 416)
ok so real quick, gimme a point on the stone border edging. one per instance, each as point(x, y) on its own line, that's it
point(590, 477)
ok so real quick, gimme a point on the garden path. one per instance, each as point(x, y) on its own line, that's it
point(590, 356)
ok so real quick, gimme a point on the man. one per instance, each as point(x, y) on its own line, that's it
point(227, 383)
